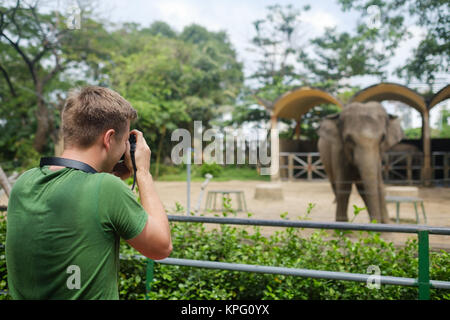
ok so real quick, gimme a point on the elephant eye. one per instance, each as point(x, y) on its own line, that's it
point(383, 137)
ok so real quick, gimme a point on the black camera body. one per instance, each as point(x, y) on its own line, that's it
point(132, 141)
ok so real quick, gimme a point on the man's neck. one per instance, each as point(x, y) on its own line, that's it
point(88, 156)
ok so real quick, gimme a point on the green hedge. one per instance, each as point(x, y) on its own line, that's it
point(339, 251)
point(331, 251)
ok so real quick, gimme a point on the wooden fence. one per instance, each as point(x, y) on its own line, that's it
point(398, 167)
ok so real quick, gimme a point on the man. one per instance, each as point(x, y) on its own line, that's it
point(64, 225)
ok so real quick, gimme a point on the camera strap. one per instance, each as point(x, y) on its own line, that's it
point(69, 163)
point(75, 164)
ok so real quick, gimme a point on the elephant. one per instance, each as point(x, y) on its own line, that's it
point(351, 144)
point(405, 148)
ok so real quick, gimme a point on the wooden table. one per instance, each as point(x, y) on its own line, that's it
point(212, 196)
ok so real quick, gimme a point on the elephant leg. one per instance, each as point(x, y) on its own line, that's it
point(343, 194)
point(325, 149)
point(362, 192)
point(383, 206)
point(343, 187)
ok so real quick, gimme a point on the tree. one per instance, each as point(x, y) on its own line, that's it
point(431, 57)
point(46, 48)
point(277, 42)
point(161, 28)
point(443, 123)
point(340, 56)
point(4, 183)
point(172, 81)
point(281, 66)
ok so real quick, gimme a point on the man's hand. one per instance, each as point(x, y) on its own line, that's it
point(142, 153)
point(124, 169)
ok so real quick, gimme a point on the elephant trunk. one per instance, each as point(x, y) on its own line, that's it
point(369, 165)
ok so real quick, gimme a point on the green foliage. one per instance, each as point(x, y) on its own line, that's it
point(340, 251)
point(32, 90)
point(310, 122)
point(413, 133)
point(170, 78)
point(228, 173)
point(212, 168)
point(162, 29)
point(344, 251)
point(276, 43)
point(416, 133)
point(431, 56)
point(3, 272)
point(342, 56)
point(443, 124)
point(173, 79)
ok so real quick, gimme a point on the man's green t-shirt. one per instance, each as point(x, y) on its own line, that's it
point(63, 232)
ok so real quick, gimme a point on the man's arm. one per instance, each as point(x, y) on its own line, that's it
point(154, 241)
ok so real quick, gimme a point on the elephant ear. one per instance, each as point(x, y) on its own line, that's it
point(329, 128)
point(394, 132)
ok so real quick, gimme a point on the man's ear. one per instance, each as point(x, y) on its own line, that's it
point(107, 137)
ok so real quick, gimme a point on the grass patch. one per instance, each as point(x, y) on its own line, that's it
point(242, 173)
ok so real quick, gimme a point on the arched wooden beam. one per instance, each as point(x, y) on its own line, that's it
point(440, 96)
point(296, 102)
point(391, 91)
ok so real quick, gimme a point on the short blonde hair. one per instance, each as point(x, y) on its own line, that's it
point(91, 110)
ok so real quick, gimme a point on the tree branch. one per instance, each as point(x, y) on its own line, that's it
point(8, 81)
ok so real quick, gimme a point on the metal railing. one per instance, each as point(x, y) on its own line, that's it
point(423, 281)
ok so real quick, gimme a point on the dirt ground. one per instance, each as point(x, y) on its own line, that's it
point(297, 196)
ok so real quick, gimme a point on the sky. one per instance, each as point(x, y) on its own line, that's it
point(233, 16)
point(236, 17)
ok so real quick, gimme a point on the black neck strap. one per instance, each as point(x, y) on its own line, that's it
point(69, 163)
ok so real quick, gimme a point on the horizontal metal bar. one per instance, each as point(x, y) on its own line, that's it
point(319, 274)
point(286, 271)
point(314, 225)
point(440, 284)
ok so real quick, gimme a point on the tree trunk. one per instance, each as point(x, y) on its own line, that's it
point(4, 183)
point(426, 138)
point(158, 152)
point(43, 122)
point(59, 144)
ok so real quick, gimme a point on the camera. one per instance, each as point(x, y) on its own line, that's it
point(132, 141)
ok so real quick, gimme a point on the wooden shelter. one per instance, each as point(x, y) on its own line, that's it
point(392, 91)
point(295, 103)
point(292, 105)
